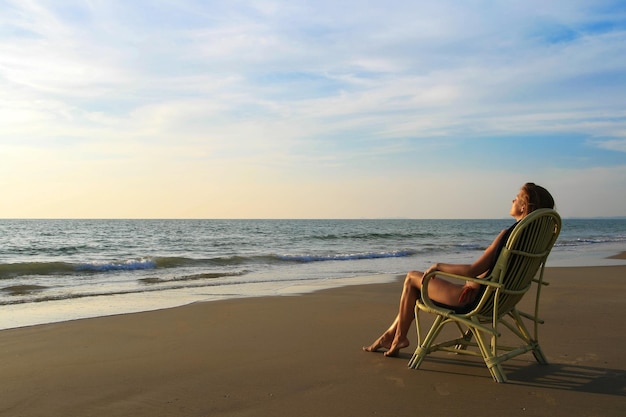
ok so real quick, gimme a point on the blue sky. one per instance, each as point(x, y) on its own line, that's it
point(302, 109)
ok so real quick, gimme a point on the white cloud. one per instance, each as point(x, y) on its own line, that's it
point(618, 145)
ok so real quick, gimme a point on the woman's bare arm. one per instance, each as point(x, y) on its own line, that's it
point(479, 267)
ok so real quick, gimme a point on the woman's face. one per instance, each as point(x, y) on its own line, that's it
point(518, 206)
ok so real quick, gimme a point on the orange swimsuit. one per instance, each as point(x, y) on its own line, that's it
point(468, 295)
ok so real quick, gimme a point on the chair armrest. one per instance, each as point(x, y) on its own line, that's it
point(481, 281)
point(425, 280)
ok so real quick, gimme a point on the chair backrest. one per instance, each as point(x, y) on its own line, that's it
point(525, 252)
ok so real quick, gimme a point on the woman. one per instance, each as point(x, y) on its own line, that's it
point(530, 197)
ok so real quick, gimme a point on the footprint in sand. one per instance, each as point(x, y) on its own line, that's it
point(399, 382)
point(442, 389)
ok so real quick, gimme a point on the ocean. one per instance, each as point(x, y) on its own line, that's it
point(57, 270)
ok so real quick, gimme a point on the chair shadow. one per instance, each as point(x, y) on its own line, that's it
point(567, 377)
point(570, 377)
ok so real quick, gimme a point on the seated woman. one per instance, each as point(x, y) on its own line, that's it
point(530, 197)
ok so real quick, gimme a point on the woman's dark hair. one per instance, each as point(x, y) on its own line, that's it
point(537, 197)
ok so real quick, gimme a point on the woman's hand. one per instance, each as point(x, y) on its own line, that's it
point(433, 267)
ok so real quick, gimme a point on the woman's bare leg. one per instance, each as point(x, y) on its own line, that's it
point(406, 312)
point(394, 338)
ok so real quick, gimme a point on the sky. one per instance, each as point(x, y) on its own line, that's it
point(310, 109)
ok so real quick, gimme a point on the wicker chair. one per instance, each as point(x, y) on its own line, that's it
point(520, 265)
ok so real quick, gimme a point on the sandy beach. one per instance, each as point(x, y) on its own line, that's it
point(301, 356)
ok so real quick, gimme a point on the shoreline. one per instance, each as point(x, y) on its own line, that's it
point(301, 355)
point(621, 255)
point(17, 316)
point(58, 311)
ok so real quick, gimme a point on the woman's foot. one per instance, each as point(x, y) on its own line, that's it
point(383, 341)
point(395, 347)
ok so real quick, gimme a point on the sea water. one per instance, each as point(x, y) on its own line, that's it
point(56, 270)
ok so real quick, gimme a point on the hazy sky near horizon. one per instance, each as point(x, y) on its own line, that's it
point(310, 109)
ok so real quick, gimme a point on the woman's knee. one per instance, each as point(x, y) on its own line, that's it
point(414, 279)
